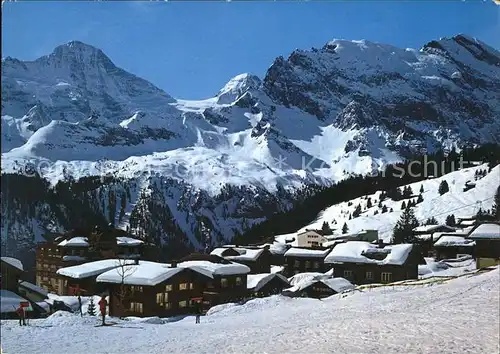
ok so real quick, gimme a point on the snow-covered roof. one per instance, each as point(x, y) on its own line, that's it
point(245, 254)
point(10, 301)
point(355, 251)
point(210, 268)
point(304, 252)
point(305, 277)
point(486, 230)
point(467, 222)
point(430, 228)
point(33, 288)
point(446, 241)
point(144, 273)
point(128, 241)
point(278, 248)
point(70, 258)
point(338, 284)
point(75, 242)
point(277, 269)
point(91, 269)
point(16, 263)
point(255, 282)
point(303, 280)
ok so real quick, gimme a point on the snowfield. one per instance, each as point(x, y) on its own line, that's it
point(456, 202)
point(457, 316)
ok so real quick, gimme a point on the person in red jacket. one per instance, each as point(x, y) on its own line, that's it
point(22, 315)
point(102, 306)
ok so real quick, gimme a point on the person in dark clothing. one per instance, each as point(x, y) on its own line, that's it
point(198, 312)
point(102, 306)
point(22, 315)
point(80, 305)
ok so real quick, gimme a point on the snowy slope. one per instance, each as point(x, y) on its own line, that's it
point(456, 202)
point(399, 319)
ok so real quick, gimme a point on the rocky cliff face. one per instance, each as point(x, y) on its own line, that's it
point(234, 159)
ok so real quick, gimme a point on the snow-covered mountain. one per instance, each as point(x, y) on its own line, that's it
point(349, 107)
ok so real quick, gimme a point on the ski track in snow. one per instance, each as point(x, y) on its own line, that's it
point(459, 316)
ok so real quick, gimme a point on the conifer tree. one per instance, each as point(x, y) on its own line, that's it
point(325, 228)
point(357, 211)
point(369, 203)
point(91, 307)
point(450, 220)
point(443, 187)
point(495, 211)
point(384, 209)
point(421, 188)
point(403, 205)
point(420, 199)
point(403, 231)
point(345, 228)
point(431, 221)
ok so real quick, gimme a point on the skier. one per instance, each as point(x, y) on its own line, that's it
point(80, 305)
point(102, 306)
point(22, 315)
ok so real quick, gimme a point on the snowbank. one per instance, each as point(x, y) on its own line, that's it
point(356, 251)
point(487, 230)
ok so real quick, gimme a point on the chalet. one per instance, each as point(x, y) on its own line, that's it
point(11, 272)
point(81, 279)
point(261, 285)
point(316, 285)
point(469, 185)
point(277, 252)
point(155, 289)
point(425, 236)
point(310, 239)
point(487, 238)
point(364, 263)
point(82, 246)
point(452, 245)
point(301, 260)
point(258, 259)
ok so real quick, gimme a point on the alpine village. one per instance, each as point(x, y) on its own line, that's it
point(133, 277)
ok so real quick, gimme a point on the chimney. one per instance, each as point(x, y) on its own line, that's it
point(380, 243)
point(173, 264)
point(136, 261)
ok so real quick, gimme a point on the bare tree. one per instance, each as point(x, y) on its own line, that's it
point(125, 269)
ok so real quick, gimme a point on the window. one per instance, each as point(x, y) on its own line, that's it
point(386, 277)
point(183, 303)
point(165, 296)
point(168, 305)
point(308, 264)
point(238, 280)
point(38, 280)
point(136, 307)
point(296, 264)
point(38, 266)
point(210, 285)
point(316, 265)
point(183, 286)
point(136, 288)
point(369, 276)
point(45, 266)
point(159, 299)
point(223, 283)
point(191, 286)
point(45, 278)
point(347, 274)
point(168, 287)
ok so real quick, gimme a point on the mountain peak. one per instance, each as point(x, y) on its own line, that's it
point(79, 52)
point(237, 86)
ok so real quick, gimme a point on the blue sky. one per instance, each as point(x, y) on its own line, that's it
point(192, 49)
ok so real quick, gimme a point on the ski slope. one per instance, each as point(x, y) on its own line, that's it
point(457, 316)
point(456, 202)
